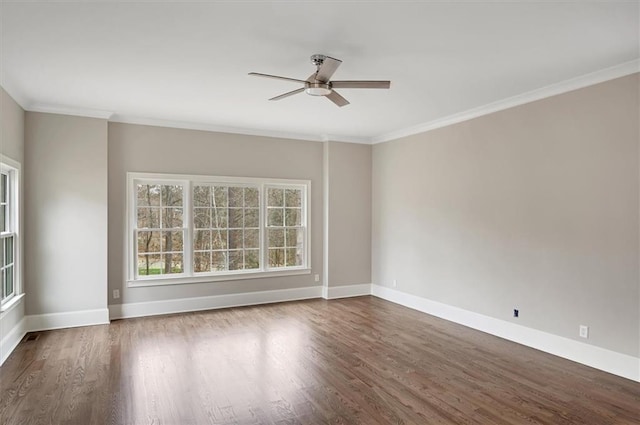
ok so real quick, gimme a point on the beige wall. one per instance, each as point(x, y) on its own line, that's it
point(137, 148)
point(65, 213)
point(11, 128)
point(348, 178)
point(535, 207)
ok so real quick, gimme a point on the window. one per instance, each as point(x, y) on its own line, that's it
point(199, 228)
point(159, 229)
point(8, 230)
point(284, 226)
point(226, 228)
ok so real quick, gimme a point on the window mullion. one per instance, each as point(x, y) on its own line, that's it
point(264, 243)
point(187, 216)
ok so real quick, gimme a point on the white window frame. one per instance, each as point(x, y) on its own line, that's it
point(188, 275)
point(186, 215)
point(11, 168)
point(303, 222)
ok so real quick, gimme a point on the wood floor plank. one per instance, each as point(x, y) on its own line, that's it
point(351, 361)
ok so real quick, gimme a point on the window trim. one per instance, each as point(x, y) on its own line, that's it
point(13, 169)
point(188, 275)
point(304, 222)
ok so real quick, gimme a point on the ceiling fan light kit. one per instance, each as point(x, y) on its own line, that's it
point(320, 84)
point(317, 89)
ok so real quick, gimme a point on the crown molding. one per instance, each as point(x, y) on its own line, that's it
point(16, 94)
point(131, 119)
point(67, 110)
point(347, 139)
point(586, 80)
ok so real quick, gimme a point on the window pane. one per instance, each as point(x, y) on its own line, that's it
point(202, 262)
point(9, 282)
point(293, 259)
point(2, 256)
point(235, 217)
point(276, 238)
point(148, 195)
point(251, 197)
point(148, 242)
point(148, 218)
point(236, 196)
point(3, 218)
point(2, 283)
point(8, 250)
point(235, 239)
point(251, 217)
point(171, 218)
point(220, 198)
point(219, 261)
point(173, 263)
point(252, 238)
point(219, 239)
point(177, 240)
point(293, 237)
point(275, 216)
point(4, 186)
point(276, 257)
point(292, 216)
point(201, 196)
point(201, 240)
point(171, 241)
point(293, 197)
point(235, 260)
point(275, 197)
point(252, 259)
point(219, 218)
point(201, 218)
point(171, 196)
point(150, 265)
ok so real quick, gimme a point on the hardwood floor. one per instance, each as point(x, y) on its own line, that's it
point(352, 361)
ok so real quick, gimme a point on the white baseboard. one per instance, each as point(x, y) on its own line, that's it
point(590, 355)
point(153, 308)
point(71, 319)
point(12, 339)
point(333, 292)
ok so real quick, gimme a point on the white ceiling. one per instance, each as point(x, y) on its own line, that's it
point(187, 62)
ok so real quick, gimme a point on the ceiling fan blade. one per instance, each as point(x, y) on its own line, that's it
point(361, 84)
point(291, 93)
point(337, 99)
point(257, 74)
point(328, 67)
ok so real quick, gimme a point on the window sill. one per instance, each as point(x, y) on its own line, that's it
point(9, 305)
point(180, 280)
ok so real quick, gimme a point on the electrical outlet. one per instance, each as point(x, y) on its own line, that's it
point(516, 312)
point(395, 283)
point(584, 331)
point(116, 294)
point(316, 277)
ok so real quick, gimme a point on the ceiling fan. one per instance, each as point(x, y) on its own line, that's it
point(320, 84)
